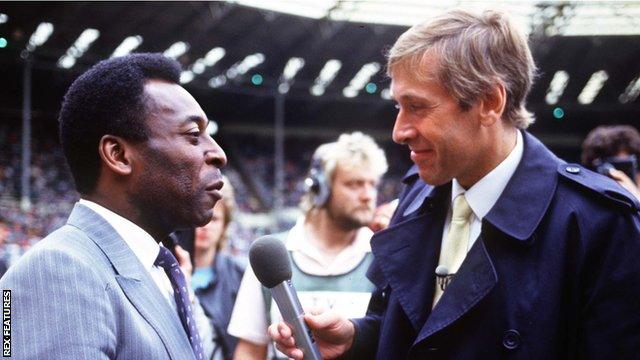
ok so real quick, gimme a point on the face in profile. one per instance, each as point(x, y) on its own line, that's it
point(176, 172)
point(353, 196)
point(439, 134)
point(210, 235)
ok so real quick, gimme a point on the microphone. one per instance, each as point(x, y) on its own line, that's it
point(270, 262)
point(443, 278)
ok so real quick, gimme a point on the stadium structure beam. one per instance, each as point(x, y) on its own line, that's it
point(278, 200)
point(25, 186)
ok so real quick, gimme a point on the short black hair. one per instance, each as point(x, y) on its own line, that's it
point(108, 99)
point(607, 141)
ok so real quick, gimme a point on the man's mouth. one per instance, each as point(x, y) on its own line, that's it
point(213, 189)
point(421, 154)
point(216, 185)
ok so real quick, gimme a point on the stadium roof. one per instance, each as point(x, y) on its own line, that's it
point(569, 18)
point(239, 55)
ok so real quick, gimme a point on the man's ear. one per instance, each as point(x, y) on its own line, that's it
point(492, 105)
point(115, 153)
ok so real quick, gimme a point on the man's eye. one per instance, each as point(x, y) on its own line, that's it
point(194, 137)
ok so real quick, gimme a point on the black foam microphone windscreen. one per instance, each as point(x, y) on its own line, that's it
point(270, 261)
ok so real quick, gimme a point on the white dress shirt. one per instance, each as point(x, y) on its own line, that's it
point(486, 192)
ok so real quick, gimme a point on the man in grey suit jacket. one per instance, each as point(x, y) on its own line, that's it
point(137, 147)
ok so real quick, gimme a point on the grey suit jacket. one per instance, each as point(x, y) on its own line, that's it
point(81, 293)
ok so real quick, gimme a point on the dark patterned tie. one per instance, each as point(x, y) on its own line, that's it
point(168, 262)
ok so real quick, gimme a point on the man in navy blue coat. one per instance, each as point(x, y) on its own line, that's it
point(550, 264)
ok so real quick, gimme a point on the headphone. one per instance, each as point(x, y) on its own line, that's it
point(317, 185)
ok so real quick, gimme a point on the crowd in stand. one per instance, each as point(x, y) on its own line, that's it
point(51, 193)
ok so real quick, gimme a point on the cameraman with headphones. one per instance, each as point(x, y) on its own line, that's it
point(329, 245)
point(614, 151)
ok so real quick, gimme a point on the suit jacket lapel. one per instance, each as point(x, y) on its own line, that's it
point(135, 281)
point(147, 299)
point(474, 280)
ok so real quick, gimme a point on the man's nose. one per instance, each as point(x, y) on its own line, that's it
point(403, 131)
point(214, 155)
point(368, 193)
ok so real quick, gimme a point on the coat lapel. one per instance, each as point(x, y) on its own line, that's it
point(135, 281)
point(407, 254)
point(474, 280)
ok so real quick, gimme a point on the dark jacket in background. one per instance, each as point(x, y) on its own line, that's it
point(555, 273)
point(218, 298)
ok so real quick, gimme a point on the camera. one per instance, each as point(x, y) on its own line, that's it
point(626, 164)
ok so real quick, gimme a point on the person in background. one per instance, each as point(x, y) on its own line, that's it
point(216, 276)
point(611, 145)
point(498, 249)
point(328, 246)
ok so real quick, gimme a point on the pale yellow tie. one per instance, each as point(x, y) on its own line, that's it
point(454, 248)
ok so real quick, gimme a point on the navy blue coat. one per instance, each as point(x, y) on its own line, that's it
point(555, 272)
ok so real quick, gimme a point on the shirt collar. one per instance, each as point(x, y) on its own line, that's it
point(486, 192)
point(141, 243)
point(297, 240)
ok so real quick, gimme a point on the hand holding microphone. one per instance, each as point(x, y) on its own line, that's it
point(334, 334)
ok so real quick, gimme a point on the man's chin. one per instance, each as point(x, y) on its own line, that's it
point(429, 178)
point(201, 246)
point(360, 221)
point(203, 219)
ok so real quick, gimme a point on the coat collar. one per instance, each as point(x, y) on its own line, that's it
point(530, 190)
point(134, 280)
point(411, 175)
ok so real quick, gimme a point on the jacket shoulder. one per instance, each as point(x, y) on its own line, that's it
point(63, 256)
point(596, 185)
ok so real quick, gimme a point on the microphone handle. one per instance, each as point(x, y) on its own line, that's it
point(286, 298)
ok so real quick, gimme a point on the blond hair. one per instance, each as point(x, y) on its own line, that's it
point(475, 52)
point(355, 149)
